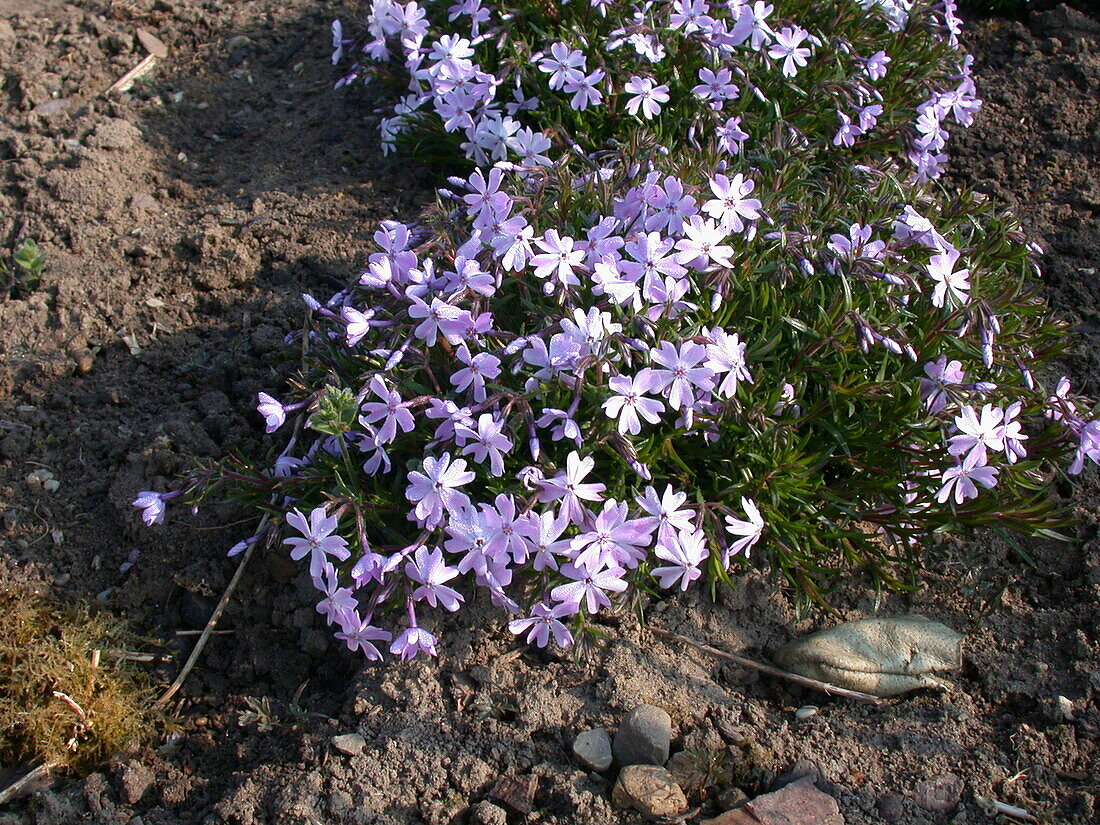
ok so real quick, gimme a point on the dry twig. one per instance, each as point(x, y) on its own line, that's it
point(211, 623)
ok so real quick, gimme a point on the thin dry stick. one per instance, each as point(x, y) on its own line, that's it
point(210, 624)
point(126, 82)
point(825, 687)
point(17, 787)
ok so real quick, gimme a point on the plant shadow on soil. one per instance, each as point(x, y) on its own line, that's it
point(201, 259)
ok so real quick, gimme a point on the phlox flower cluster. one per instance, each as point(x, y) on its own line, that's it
point(662, 330)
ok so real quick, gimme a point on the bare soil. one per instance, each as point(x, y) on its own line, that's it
point(182, 222)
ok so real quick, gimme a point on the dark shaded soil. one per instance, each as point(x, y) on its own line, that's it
point(183, 220)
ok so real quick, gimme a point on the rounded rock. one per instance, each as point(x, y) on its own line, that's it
point(593, 748)
point(644, 737)
point(650, 790)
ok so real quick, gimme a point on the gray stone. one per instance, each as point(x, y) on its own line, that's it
point(593, 748)
point(643, 737)
point(650, 790)
point(351, 744)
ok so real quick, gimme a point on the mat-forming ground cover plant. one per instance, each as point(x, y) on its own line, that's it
point(693, 300)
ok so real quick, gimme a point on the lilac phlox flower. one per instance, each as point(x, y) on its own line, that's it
point(561, 355)
point(274, 413)
point(949, 281)
point(680, 372)
point(468, 274)
point(485, 194)
point(1013, 434)
point(511, 243)
point(726, 354)
point(479, 367)
point(487, 441)
point(561, 425)
point(318, 540)
point(686, 551)
point(875, 65)
point(670, 204)
point(570, 488)
point(715, 87)
point(614, 539)
point(369, 568)
point(369, 442)
point(1059, 405)
point(653, 259)
point(977, 433)
point(544, 622)
point(583, 88)
point(667, 513)
point(152, 506)
point(731, 136)
point(428, 569)
point(506, 529)
point(868, 116)
point(413, 641)
point(941, 375)
point(435, 491)
point(356, 324)
point(389, 410)
point(749, 530)
point(788, 48)
point(451, 47)
point(590, 329)
point(701, 246)
point(557, 260)
point(848, 132)
point(473, 9)
point(439, 317)
point(731, 206)
point(645, 96)
point(338, 42)
point(912, 227)
point(359, 634)
point(338, 600)
point(543, 532)
point(562, 64)
point(630, 404)
point(530, 146)
point(690, 15)
point(959, 481)
point(1088, 444)
point(587, 587)
point(857, 244)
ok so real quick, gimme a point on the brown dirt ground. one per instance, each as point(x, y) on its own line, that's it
point(183, 220)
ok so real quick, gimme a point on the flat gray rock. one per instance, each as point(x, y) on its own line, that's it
point(593, 748)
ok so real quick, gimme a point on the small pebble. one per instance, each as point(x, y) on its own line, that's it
point(350, 744)
point(593, 748)
point(805, 712)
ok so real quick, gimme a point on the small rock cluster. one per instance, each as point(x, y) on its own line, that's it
point(650, 783)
